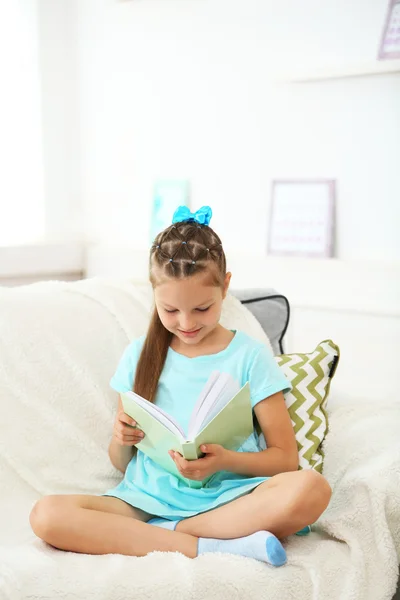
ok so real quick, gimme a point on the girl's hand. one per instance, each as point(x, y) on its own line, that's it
point(125, 432)
point(202, 467)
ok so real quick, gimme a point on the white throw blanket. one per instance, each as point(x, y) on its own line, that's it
point(59, 346)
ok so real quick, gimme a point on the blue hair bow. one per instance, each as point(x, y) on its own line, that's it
point(202, 216)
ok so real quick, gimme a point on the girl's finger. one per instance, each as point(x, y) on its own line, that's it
point(124, 418)
point(125, 430)
point(129, 438)
point(130, 431)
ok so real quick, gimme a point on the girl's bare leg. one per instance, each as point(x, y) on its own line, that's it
point(104, 525)
point(282, 505)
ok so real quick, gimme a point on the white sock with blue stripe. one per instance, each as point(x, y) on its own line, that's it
point(261, 545)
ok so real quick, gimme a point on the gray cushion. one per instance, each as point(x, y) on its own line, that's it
point(271, 309)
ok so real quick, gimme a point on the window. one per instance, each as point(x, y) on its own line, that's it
point(22, 210)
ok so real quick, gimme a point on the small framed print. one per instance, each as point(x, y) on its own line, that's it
point(302, 218)
point(390, 41)
point(167, 196)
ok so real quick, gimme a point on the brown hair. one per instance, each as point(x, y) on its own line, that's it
point(181, 250)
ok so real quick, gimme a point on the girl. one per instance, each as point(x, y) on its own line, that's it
point(253, 497)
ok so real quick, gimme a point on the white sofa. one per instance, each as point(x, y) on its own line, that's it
point(59, 345)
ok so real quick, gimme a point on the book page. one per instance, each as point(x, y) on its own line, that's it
point(223, 389)
point(159, 414)
point(203, 395)
point(230, 427)
point(226, 396)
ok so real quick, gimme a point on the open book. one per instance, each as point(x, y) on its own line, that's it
point(222, 415)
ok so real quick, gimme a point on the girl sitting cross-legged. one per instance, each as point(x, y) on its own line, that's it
point(253, 498)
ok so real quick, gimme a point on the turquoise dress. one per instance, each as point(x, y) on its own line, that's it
point(151, 488)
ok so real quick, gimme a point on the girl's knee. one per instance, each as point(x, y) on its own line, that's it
point(45, 515)
point(304, 492)
point(319, 484)
point(315, 491)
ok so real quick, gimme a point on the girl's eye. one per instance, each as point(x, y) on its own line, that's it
point(175, 310)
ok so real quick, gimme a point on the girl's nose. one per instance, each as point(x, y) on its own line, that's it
point(187, 324)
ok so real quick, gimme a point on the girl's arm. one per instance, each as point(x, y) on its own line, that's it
point(121, 448)
point(281, 454)
point(120, 456)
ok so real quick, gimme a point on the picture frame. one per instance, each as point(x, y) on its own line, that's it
point(389, 47)
point(168, 194)
point(302, 218)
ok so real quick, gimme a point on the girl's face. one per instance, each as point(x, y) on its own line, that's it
point(190, 308)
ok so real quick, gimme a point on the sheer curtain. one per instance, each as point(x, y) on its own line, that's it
point(22, 207)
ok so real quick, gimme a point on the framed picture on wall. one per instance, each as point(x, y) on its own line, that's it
point(167, 196)
point(390, 41)
point(302, 218)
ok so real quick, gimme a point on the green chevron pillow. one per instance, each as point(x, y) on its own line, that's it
point(310, 375)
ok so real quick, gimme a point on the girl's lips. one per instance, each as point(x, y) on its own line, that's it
point(190, 333)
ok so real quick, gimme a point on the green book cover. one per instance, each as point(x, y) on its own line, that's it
point(230, 427)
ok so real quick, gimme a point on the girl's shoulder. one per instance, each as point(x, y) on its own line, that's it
point(134, 348)
point(122, 380)
point(252, 344)
point(138, 342)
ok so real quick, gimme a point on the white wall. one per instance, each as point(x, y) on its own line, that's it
point(142, 89)
point(171, 88)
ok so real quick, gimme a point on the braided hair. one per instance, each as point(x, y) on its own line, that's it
point(182, 250)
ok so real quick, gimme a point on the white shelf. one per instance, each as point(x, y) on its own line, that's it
point(381, 67)
point(353, 286)
point(42, 258)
